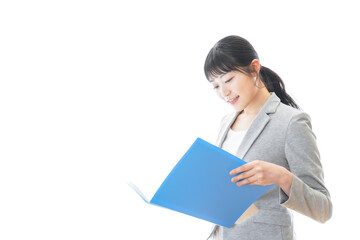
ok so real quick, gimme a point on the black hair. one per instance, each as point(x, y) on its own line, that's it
point(234, 53)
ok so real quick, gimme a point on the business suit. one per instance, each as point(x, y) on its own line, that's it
point(281, 135)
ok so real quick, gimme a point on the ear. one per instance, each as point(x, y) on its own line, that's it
point(255, 67)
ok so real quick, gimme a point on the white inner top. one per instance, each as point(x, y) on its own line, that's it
point(233, 140)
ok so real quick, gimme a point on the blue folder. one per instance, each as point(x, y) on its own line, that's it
point(200, 186)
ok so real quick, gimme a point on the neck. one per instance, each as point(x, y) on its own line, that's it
point(257, 103)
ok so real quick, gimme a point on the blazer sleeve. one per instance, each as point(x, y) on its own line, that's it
point(308, 194)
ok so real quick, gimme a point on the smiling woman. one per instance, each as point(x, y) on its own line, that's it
point(234, 57)
point(277, 142)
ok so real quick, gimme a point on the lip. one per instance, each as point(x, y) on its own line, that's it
point(233, 101)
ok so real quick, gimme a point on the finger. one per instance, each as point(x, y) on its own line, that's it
point(243, 175)
point(251, 181)
point(243, 168)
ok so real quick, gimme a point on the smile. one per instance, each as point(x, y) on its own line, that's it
point(233, 101)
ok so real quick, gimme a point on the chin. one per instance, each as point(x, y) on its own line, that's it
point(238, 109)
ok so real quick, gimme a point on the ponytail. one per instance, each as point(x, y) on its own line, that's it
point(274, 83)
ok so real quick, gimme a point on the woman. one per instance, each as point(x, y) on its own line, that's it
point(267, 130)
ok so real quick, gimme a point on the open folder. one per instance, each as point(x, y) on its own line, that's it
point(200, 186)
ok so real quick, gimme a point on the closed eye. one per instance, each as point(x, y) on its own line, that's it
point(215, 87)
point(229, 80)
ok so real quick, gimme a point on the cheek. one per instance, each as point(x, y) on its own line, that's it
point(240, 87)
point(246, 92)
point(245, 87)
point(218, 94)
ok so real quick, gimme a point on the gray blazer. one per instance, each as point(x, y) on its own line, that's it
point(282, 135)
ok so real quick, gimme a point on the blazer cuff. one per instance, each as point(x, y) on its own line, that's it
point(286, 200)
point(291, 201)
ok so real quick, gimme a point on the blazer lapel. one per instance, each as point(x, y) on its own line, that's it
point(258, 124)
point(256, 127)
point(225, 129)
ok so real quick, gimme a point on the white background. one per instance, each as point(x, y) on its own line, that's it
point(96, 93)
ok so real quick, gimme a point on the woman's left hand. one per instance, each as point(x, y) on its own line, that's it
point(262, 173)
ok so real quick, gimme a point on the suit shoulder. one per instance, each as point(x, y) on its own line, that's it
point(288, 113)
point(290, 116)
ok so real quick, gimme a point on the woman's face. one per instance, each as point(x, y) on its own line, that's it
point(236, 88)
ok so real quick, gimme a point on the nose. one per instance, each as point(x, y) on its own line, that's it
point(224, 92)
